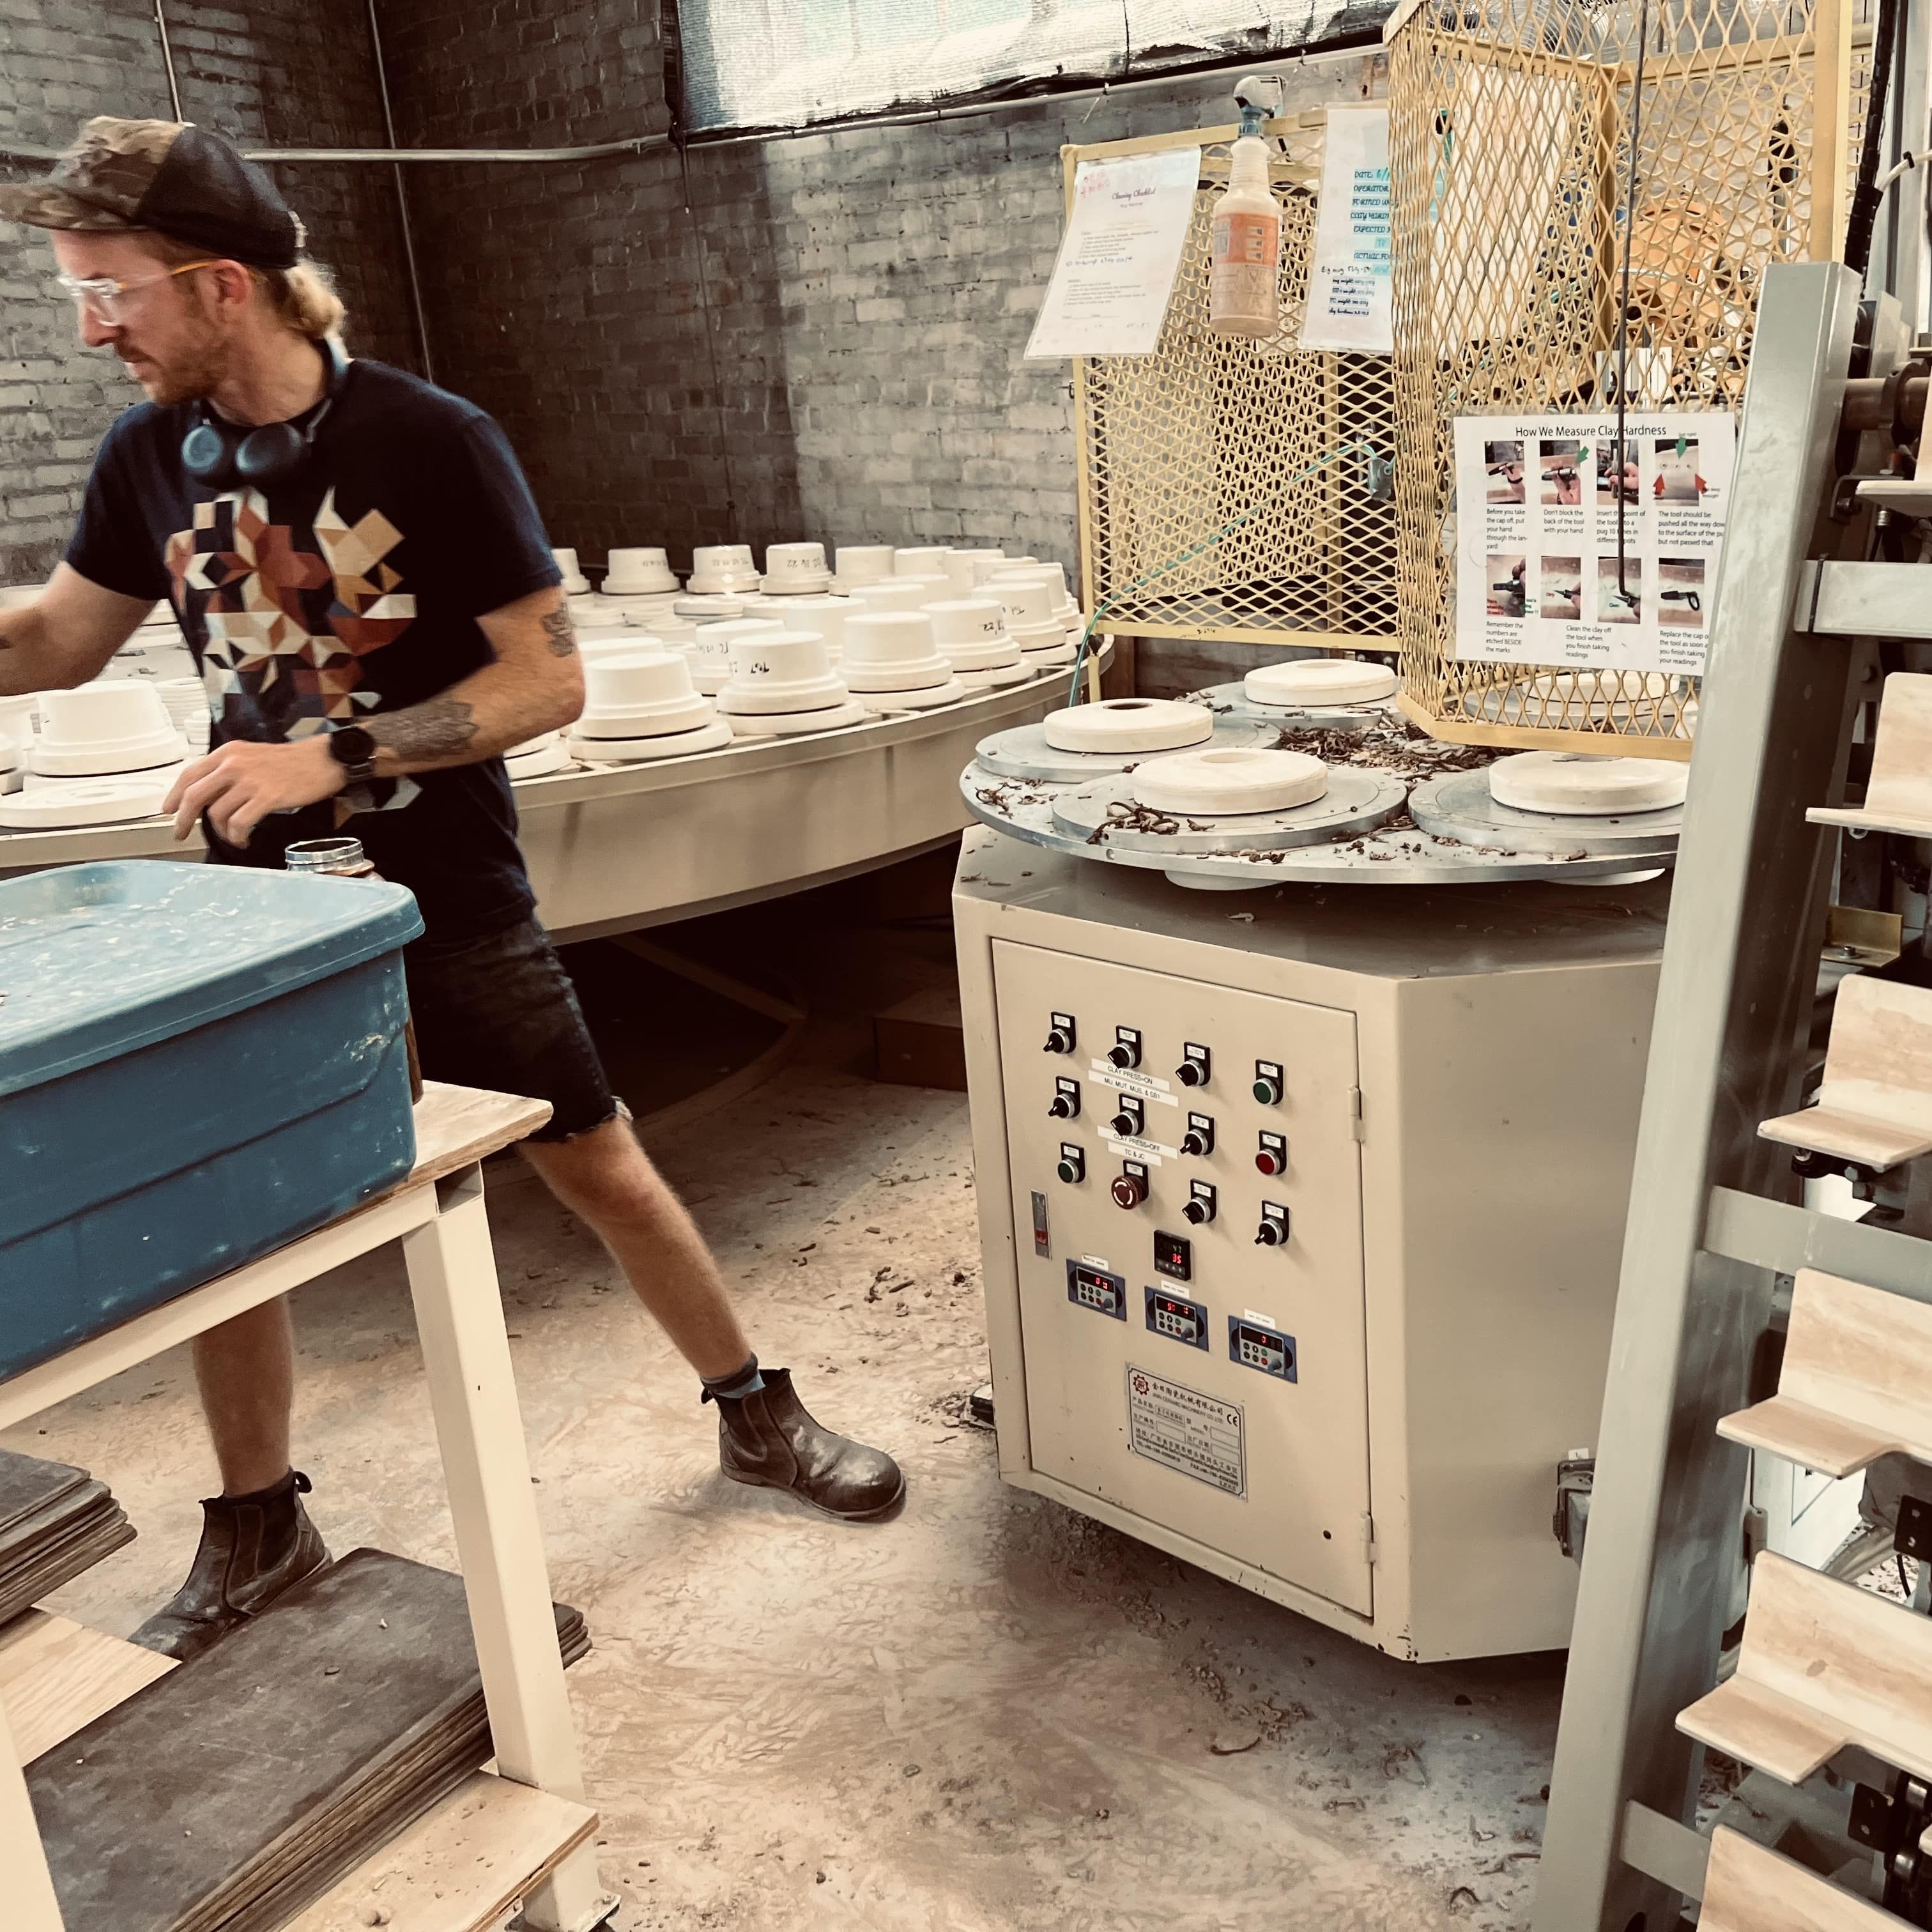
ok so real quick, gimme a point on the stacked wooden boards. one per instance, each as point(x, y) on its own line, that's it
point(230, 1793)
point(55, 1521)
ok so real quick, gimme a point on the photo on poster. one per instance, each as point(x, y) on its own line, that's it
point(1505, 472)
point(1543, 578)
point(1616, 462)
point(1560, 592)
point(1565, 464)
point(1507, 586)
point(1680, 593)
point(1619, 593)
point(1677, 480)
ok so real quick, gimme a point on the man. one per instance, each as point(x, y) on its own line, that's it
point(369, 593)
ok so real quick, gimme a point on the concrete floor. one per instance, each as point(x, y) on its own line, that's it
point(988, 1715)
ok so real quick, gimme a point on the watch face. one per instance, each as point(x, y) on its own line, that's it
point(353, 746)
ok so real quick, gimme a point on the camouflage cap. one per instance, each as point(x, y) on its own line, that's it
point(170, 176)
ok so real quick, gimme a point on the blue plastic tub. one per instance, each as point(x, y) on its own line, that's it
point(197, 1064)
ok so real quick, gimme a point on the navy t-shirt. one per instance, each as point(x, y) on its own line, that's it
point(352, 589)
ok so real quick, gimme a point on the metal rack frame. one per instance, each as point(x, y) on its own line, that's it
point(1711, 1224)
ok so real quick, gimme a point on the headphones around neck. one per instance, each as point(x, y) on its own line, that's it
point(222, 454)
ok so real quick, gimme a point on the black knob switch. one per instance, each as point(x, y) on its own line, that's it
point(1191, 1073)
point(1125, 1053)
point(1194, 1142)
point(1271, 1234)
point(1057, 1042)
point(1126, 1126)
point(1066, 1102)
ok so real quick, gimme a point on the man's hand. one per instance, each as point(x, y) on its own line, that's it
point(239, 784)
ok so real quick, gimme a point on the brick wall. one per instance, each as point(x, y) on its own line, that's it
point(284, 73)
point(869, 293)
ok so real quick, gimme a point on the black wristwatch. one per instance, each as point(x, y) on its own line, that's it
point(354, 750)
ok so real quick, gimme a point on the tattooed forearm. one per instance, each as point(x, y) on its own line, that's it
point(559, 633)
point(442, 728)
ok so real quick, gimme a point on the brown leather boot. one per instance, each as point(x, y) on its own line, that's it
point(768, 1438)
point(252, 1548)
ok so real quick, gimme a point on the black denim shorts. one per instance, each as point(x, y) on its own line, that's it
point(500, 1012)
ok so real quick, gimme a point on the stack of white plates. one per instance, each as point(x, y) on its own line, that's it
point(784, 684)
point(855, 564)
point(825, 615)
point(796, 570)
point(1032, 619)
point(641, 572)
point(891, 658)
point(186, 701)
point(709, 653)
point(105, 730)
point(642, 706)
point(972, 636)
point(722, 570)
point(575, 583)
point(537, 756)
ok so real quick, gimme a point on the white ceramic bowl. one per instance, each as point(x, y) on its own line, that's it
point(972, 632)
point(1118, 724)
point(788, 673)
point(825, 615)
point(575, 583)
point(1031, 615)
point(1302, 681)
point(893, 650)
point(638, 571)
point(1579, 784)
point(641, 695)
point(723, 568)
point(795, 569)
point(861, 563)
point(1225, 780)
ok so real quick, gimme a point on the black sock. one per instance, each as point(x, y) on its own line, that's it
point(735, 1387)
point(294, 1484)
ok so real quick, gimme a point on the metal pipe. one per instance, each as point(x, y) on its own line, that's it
point(638, 144)
point(168, 60)
point(416, 311)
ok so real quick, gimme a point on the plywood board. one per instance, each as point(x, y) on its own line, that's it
point(459, 1868)
point(57, 1675)
point(1749, 1889)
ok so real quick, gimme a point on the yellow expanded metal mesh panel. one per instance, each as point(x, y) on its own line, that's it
point(1509, 143)
point(1291, 446)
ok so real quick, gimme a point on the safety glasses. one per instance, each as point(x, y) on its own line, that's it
point(109, 299)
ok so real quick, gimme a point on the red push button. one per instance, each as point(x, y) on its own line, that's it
point(1269, 1162)
point(1128, 1190)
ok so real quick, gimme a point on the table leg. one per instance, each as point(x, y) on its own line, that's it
point(31, 1905)
point(499, 1540)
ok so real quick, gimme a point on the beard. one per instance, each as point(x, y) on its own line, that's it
point(184, 377)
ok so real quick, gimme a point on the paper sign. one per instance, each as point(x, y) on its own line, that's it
point(1114, 273)
point(1348, 305)
point(1541, 577)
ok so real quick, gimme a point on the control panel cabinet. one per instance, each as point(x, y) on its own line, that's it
point(1152, 1406)
point(1301, 1242)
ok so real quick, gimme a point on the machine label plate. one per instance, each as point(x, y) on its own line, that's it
point(1135, 1148)
point(1142, 1086)
point(1196, 1435)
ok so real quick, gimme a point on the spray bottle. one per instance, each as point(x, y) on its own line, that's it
point(1244, 274)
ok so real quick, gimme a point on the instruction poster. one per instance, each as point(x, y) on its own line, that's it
point(1348, 304)
point(1114, 277)
point(1541, 577)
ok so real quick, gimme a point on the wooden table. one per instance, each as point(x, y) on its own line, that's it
point(509, 1842)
